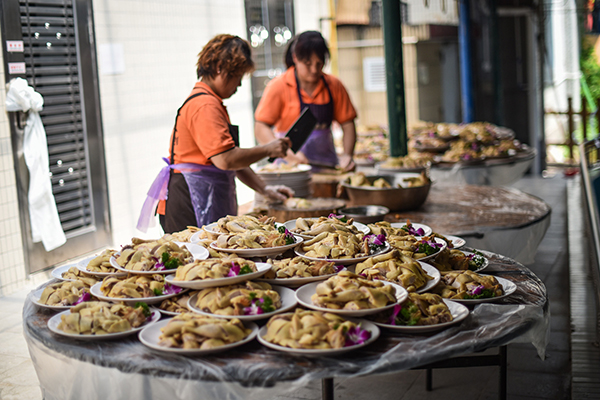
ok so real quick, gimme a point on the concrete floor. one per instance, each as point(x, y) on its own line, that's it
point(528, 376)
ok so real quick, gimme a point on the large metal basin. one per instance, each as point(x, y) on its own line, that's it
point(395, 198)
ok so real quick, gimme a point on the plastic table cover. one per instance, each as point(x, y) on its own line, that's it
point(72, 369)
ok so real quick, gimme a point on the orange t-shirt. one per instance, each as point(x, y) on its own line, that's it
point(202, 130)
point(280, 105)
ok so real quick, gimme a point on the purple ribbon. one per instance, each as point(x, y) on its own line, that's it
point(158, 191)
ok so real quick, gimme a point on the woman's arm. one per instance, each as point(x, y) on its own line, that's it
point(236, 158)
point(250, 179)
point(263, 133)
point(349, 141)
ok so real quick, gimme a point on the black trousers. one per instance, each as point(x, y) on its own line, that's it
point(179, 212)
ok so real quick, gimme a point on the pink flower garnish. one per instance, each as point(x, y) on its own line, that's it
point(395, 312)
point(234, 270)
point(356, 336)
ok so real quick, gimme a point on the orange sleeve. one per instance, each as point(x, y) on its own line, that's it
point(271, 104)
point(210, 130)
point(343, 110)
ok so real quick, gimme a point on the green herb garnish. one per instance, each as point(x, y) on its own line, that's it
point(267, 305)
point(485, 294)
point(169, 262)
point(145, 308)
point(245, 270)
point(157, 292)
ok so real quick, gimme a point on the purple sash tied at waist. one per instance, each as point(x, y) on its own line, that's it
point(158, 190)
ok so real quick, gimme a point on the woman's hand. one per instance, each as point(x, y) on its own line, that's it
point(277, 192)
point(278, 147)
point(347, 163)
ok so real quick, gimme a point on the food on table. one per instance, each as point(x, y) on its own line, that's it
point(451, 259)
point(417, 310)
point(394, 267)
point(408, 244)
point(449, 243)
point(412, 160)
point(316, 226)
point(100, 318)
point(244, 223)
point(153, 255)
point(102, 262)
point(299, 267)
point(177, 304)
point(359, 179)
point(255, 239)
point(212, 252)
point(65, 293)
point(75, 274)
point(214, 268)
point(427, 142)
point(337, 245)
point(278, 167)
point(137, 286)
point(250, 298)
point(349, 291)
point(304, 329)
point(192, 331)
point(468, 285)
point(298, 203)
point(182, 236)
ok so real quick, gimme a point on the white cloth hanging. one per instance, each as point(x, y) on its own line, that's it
point(43, 214)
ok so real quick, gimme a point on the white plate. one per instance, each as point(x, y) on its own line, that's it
point(368, 325)
point(55, 320)
point(296, 281)
point(485, 263)
point(457, 242)
point(149, 336)
point(288, 301)
point(304, 293)
point(264, 252)
point(206, 283)
point(459, 312)
point(195, 238)
point(426, 228)
point(344, 261)
point(58, 271)
point(431, 271)
point(96, 292)
point(36, 300)
point(508, 286)
point(437, 240)
point(197, 251)
point(291, 225)
point(82, 266)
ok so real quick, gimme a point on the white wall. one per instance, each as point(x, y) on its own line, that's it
point(160, 40)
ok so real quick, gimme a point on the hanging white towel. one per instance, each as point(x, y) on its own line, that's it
point(45, 222)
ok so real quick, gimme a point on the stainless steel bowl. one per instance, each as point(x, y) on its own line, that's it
point(394, 198)
point(365, 214)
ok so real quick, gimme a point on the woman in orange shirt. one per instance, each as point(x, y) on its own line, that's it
point(204, 157)
point(305, 85)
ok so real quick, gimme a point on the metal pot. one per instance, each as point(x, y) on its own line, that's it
point(365, 214)
point(395, 198)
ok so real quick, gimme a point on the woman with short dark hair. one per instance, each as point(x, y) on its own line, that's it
point(198, 185)
point(304, 85)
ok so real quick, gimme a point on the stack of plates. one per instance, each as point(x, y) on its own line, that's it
point(298, 181)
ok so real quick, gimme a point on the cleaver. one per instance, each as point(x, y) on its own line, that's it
point(300, 130)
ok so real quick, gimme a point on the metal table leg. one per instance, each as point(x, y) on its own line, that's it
point(327, 388)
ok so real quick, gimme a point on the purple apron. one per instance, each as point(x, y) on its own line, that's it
point(319, 146)
point(212, 190)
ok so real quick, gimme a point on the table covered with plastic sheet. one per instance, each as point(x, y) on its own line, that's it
point(125, 368)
